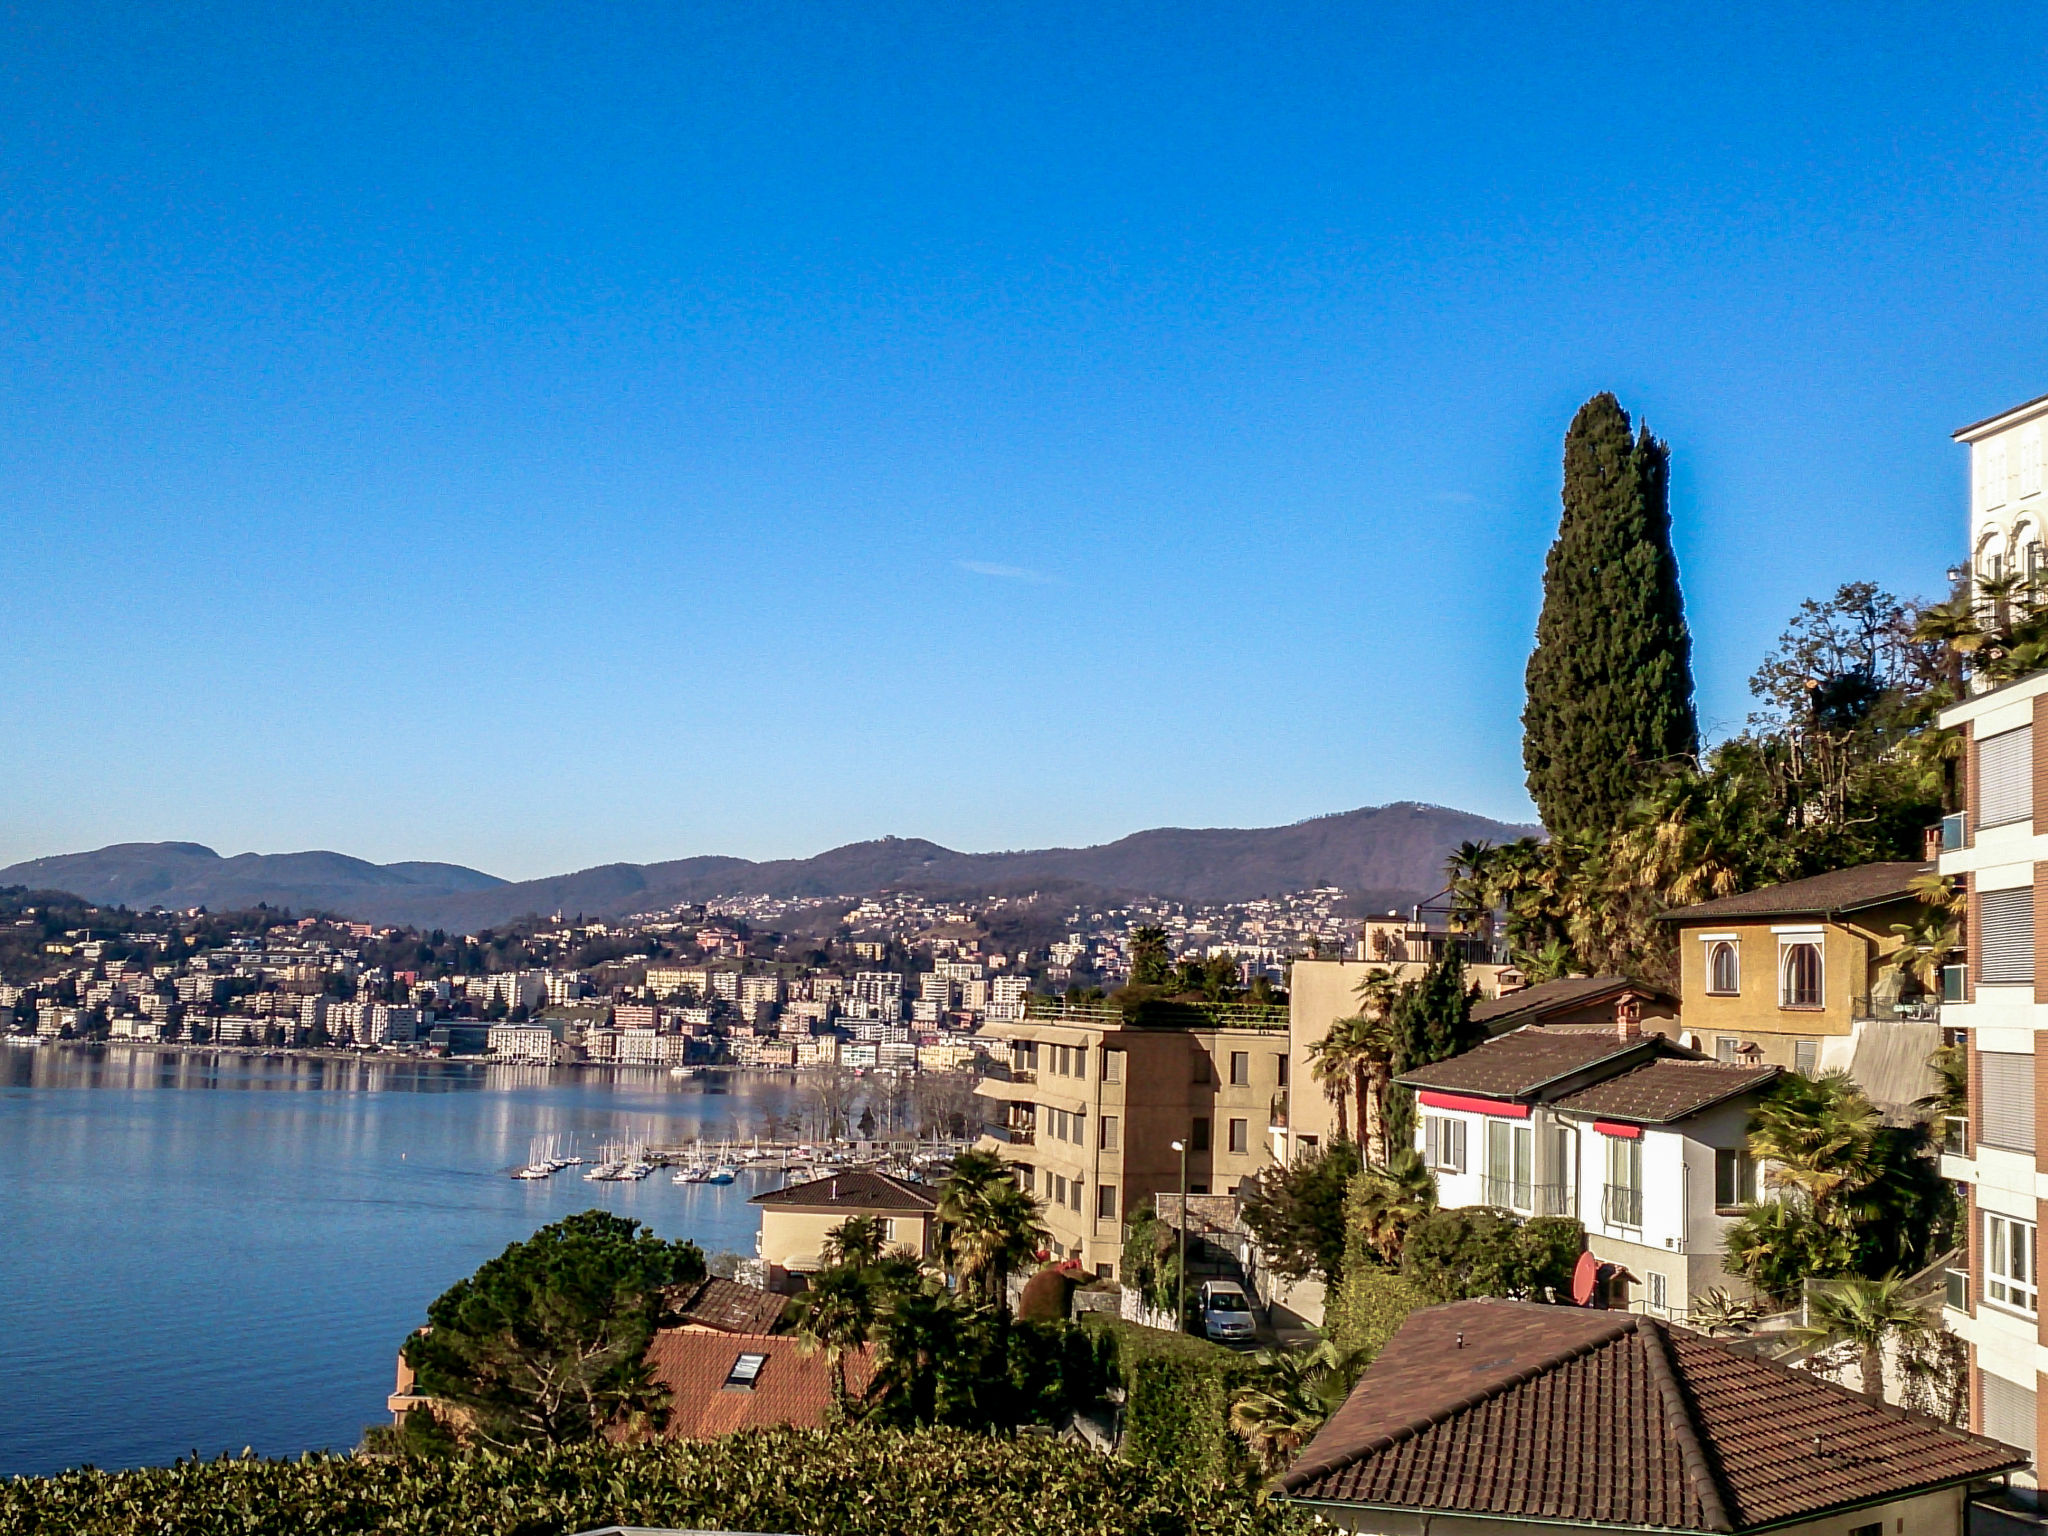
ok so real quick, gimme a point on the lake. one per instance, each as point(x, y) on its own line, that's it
point(205, 1251)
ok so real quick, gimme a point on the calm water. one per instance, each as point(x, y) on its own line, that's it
point(202, 1252)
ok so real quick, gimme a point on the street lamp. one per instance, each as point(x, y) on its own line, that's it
point(1180, 1316)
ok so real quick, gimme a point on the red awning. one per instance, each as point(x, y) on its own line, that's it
point(1470, 1105)
point(1616, 1128)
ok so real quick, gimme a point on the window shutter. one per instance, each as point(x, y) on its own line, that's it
point(2006, 1100)
point(2005, 777)
point(2008, 1411)
point(2005, 945)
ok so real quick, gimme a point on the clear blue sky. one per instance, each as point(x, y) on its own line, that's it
point(533, 436)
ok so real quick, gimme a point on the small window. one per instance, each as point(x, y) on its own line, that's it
point(1106, 1125)
point(1734, 1179)
point(1240, 1068)
point(1725, 1047)
point(746, 1370)
point(1105, 1202)
point(1724, 969)
point(1074, 1194)
point(1105, 1271)
point(1079, 1056)
point(2010, 1277)
point(1800, 976)
point(1805, 1057)
point(1443, 1143)
point(1028, 1177)
point(1240, 1136)
point(1280, 1070)
point(1875, 1528)
point(1059, 1189)
point(1112, 1066)
point(1198, 1134)
point(1660, 1290)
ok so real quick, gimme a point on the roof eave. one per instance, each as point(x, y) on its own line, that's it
point(1697, 1109)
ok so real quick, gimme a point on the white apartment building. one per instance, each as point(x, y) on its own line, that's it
point(1006, 996)
point(1996, 1002)
point(876, 995)
point(533, 1041)
point(757, 990)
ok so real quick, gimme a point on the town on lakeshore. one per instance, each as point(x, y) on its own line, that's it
point(1673, 1171)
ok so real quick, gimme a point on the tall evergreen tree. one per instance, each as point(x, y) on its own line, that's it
point(1610, 680)
point(1432, 1021)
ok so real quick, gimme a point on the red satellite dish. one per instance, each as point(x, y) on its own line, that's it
point(1585, 1280)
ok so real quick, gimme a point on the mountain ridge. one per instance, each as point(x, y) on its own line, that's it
point(1391, 853)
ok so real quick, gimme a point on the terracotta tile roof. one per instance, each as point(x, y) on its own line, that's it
point(1607, 1418)
point(858, 1189)
point(1511, 1065)
point(729, 1307)
point(1531, 1003)
point(1840, 890)
point(1667, 1089)
point(791, 1387)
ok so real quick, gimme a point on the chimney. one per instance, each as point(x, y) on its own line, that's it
point(1628, 1016)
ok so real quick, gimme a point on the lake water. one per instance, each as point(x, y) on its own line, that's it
point(206, 1251)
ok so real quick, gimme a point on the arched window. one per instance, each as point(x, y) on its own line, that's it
point(1800, 982)
point(1724, 969)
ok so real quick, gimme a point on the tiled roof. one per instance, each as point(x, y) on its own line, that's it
point(1839, 890)
point(1588, 1417)
point(1668, 1089)
point(791, 1387)
point(859, 1189)
point(730, 1307)
point(1554, 996)
point(1521, 1062)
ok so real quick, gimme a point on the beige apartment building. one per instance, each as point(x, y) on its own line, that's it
point(1086, 1107)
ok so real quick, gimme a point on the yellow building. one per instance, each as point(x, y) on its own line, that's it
point(795, 1220)
point(1086, 1106)
point(1796, 975)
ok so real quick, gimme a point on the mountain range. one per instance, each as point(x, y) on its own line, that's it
point(1386, 856)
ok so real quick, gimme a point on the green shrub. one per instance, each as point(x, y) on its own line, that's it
point(1366, 1310)
point(1479, 1251)
point(1177, 1392)
point(858, 1482)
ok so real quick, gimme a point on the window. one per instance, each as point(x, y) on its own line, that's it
point(746, 1370)
point(1078, 1124)
point(1078, 1056)
point(1734, 1179)
point(1875, 1528)
point(1725, 1047)
point(1105, 1271)
point(1443, 1143)
point(1107, 1129)
point(1028, 1177)
point(1509, 1151)
point(1112, 1066)
point(2009, 1273)
point(1105, 1202)
point(2005, 777)
point(1074, 1195)
point(1624, 1202)
point(1280, 1070)
point(1198, 1134)
point(2005, 1100)
point(1660, 1291)
point(1992, 480)
point(2008, 1410)
point(1240, 1136)
point(888, 1229)
point(1059, 1189)
point(2030, 473)
point(1799, 975)
point(2005, 944)
point(1805, 1057)
point(1240, 1068)
point(1724, 969)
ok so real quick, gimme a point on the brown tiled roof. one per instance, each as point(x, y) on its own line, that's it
point(1555, 996)
point(792, 1387)
point(1521, 1062)
point(1587, 1417)
point(1840, 890)
point(730, 1307)
point(1668, 1089)
point(859, 1189)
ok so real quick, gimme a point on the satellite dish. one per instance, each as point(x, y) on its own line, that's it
point(1585, 1280)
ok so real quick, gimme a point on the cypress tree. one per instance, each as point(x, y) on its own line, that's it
point(1610, 680)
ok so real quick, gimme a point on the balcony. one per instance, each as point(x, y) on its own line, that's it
point(1923, 1009)
point(1014, 1135)
point(1621, 1206)
point(1529, 1199)
point(996, 1070)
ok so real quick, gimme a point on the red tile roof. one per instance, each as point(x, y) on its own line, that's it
point(1665, 1090)
point(1523, 1061)
point(1839, 890)
point(1515, 1409)
point(1530, 1004)
point(729, 1306)
point(792, 1387)
point(858, 1189)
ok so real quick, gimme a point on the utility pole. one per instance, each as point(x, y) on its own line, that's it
point(1180, 1319)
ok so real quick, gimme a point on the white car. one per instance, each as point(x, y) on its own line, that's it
point(1226, 1312)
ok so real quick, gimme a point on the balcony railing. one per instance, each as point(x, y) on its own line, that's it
point(1955, 983)
point(1621, 1206)
point(1529, 1199)
point(1955, 1135)
point(1911, 1010)
point(1015, 1135)
point(995, 1069)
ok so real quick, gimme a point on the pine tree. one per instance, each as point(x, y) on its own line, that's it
point(1610, 681)
point(1432, 1021)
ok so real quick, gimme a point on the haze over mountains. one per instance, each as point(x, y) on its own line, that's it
point(1387, 855)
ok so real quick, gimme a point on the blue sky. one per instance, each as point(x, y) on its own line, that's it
point(533, 436)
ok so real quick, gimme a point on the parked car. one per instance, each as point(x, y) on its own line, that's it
point(1226, 1311)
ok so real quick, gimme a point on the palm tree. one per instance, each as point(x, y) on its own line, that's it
point(1925, 945)
point(1385, 1201)
point(987, 1226)
point(1866, 1314)
point(1470, 871)
point(1331, 1064)
point(915, 1337)
point(836, 1315)
point(1817, 1137)
point(1289, 1396)
point(1553, 962)
point(857, 1241)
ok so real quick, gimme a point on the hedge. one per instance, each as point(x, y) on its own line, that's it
point(1367, 1307)
point(855, 1482)
point(1177, 1391)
